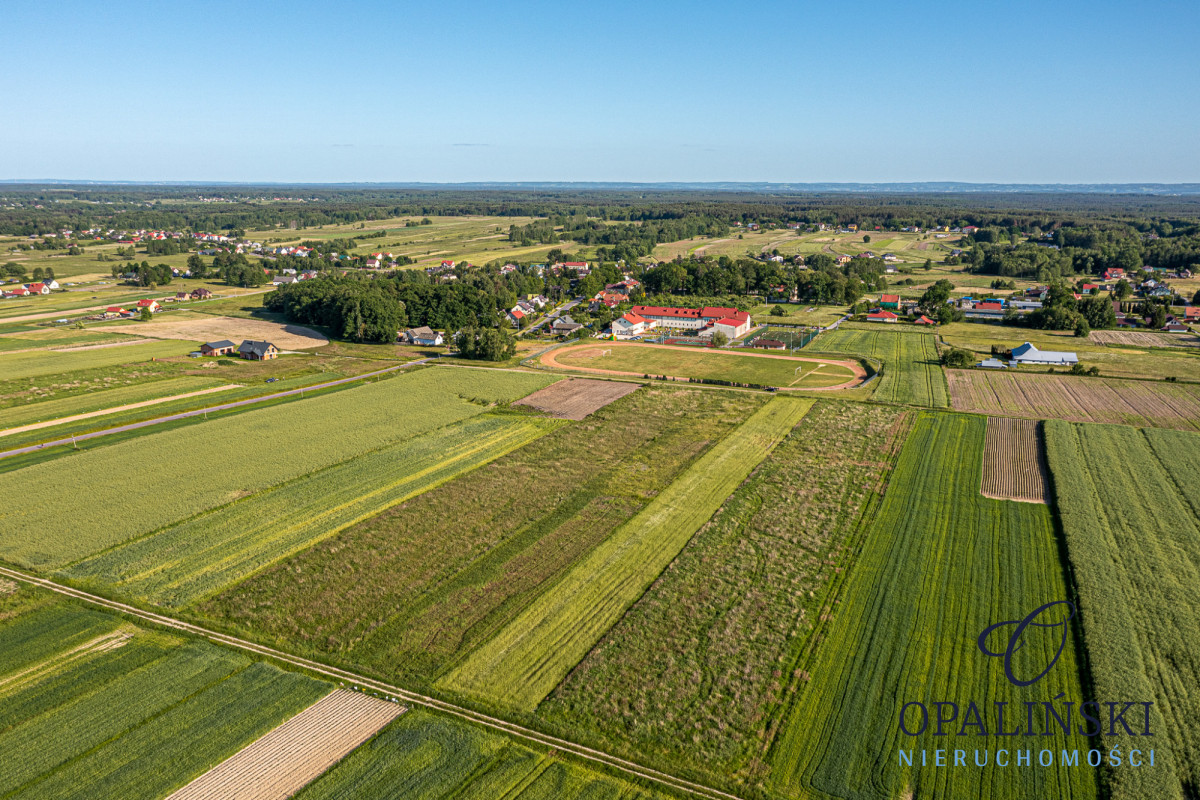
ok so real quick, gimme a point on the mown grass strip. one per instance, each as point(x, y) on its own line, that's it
point(526, 660)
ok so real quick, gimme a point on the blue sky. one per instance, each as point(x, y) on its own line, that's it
point(646, 91)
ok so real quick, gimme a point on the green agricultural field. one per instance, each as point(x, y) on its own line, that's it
point(423, 756)
point(1131, 516)
point(525, 660)
point(39, 363)
point(940, 565)
point(59, 337)
point(682, 362)
point(413, 591)
point(911, 372)
point(57, 409)
point(185, 471)
point(750, 587)
point(129, 714)
point(189, 560)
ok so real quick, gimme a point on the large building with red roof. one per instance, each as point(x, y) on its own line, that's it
point(730, 321)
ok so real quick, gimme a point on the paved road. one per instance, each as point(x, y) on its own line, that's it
point(550, 316)
point(186, 414)
point(494, 723)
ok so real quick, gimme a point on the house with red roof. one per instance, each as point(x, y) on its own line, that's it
point(629, 325)
point(150, 304)
point(1113, 273)
point(881, 316)
point(889, 301)
point(38, 288)
point(515, 316)
point(1191, 313)
point(924, 320)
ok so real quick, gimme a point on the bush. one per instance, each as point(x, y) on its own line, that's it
point(957, 357)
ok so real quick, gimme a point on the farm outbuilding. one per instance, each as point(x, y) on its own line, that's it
point(1028, 354)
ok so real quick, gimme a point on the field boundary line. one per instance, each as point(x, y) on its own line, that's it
point(479, 718)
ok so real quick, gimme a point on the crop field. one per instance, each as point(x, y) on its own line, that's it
point(97, 402)
point(689, 674)
point(413, 591)
point(525, 660)
point(631, 358)
point(1141, 403)
point(575, 398)
point(941, 564)
point(911, 372)
point(1116, 362)
point(291, 756)
point(1144, 339)
point(1014, 466)
point(475, 239)
point(37, 363)
point(134, 720)
point(184, 562)
point(1131, 518)
point(423, 756)
point(57, 338)
point(185, 471)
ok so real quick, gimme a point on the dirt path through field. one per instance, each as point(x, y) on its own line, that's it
point(33, 426)
point(550, 359)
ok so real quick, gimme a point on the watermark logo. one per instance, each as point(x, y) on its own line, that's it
point(1048, 618)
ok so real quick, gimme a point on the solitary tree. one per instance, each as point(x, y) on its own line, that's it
point(719, 339)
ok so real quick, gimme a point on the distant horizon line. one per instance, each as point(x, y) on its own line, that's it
point(1143, 188)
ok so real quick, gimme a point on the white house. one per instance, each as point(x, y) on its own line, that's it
point(1028, 354)
point(630, 325)
point(423, 335)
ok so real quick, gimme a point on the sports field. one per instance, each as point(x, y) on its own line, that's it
point(635, 358)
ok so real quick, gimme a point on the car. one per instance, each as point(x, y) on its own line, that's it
point(272, 380)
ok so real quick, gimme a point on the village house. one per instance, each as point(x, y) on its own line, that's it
point(424, 336)
point(201, 294)
point(1113, 273)
point(629, 325)
point(257, 351)
point(891, 301)
point(38, 288)
point(881, 316)
point(149, 304)
point(565, 325)
point(1028, 354)
point(770, 344)
point(515, 315)
point(224, 347)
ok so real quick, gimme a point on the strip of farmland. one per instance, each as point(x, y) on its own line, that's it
point(187, 561)
point(425, 756)
point(411, 592)
point(150, 482)
point(291, 756)
point(719, 633)
point(527, 659)
point(941, 565)
point(575, 398)
point(1078, 399)
point(1131, 517)
point(912, 374)
point(1014, 467)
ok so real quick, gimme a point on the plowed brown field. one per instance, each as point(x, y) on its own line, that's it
point(291, 756)
point(576, 398)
